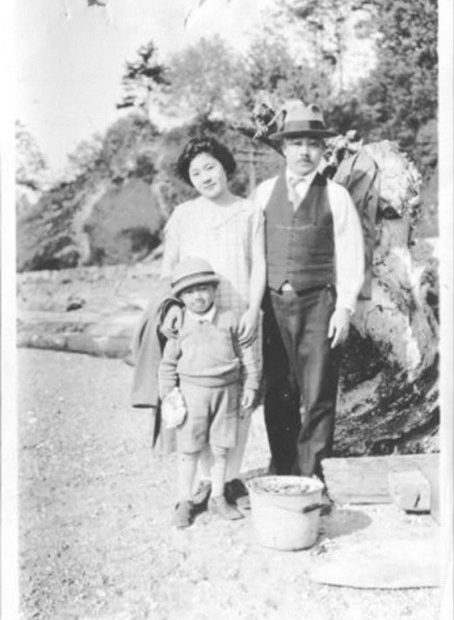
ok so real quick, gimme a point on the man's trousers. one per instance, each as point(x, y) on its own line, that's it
point(301, 376)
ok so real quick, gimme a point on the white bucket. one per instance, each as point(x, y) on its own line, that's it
point(285, 511)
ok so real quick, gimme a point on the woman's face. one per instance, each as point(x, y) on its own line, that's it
point(208, 176)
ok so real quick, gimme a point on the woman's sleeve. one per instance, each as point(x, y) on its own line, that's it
point(171, 244)
point(257, 225)
point(258, 262)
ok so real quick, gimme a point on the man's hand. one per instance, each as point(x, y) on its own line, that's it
point(339, 326)
point(248, 327)
point(247, 402)
point(172, 321)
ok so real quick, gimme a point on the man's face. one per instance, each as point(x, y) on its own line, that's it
point(198, 298)
point(303, 155)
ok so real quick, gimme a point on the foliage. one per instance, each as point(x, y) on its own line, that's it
point(398, 101)
point(30, 161)
point(143, 80)
point(272, 68)
point(85, 157)
point(399, 97)
point(402, 92)
point(32, 173)
point(51, 236)
point(45, 239)
point(205, 81)
point(127, 148)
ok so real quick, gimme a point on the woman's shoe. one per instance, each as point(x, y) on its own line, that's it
point(219, 506)
point(184, 514)
point(235, 492)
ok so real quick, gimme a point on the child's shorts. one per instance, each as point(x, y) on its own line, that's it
point(212, 417)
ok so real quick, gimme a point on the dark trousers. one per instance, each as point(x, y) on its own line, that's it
point(301, 376)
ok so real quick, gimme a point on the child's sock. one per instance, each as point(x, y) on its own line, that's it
point(236, 454)
point(187, 465)
point(205, 463)
point(218, 471)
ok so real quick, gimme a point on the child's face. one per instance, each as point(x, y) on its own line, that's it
point(198, 298)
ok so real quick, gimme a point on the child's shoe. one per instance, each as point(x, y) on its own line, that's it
point(200, 497)
point(184, 514)
point(219, 506)
point(235, 492)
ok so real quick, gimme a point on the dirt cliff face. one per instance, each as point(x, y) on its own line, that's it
point(89, 221)
point(104, 211)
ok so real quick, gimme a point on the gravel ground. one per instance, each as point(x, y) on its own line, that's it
point(95, 507)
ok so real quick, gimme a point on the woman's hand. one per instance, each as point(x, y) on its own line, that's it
point(247, 402)
point(248, 327)
point(172, 321)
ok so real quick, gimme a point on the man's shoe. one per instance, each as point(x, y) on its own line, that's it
point(200, 497)
point(219, 506)
point(184, 514)
point(235, 492)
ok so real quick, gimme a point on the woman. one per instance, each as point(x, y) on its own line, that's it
point(228, 232)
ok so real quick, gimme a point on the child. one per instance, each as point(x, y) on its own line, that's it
point(209, 366)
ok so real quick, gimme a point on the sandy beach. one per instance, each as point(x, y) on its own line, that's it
point(95, 509)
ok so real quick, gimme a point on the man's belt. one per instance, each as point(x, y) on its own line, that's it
point(286, 288)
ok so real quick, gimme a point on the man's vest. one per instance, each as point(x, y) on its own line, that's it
point(300, 243)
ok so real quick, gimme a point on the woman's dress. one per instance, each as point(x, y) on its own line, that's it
point(224, 236)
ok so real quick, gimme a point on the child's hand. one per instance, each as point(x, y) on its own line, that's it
point(247, 402)
point(171, 322)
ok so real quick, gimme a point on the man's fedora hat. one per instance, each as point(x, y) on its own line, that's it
point(191, 271)
point(301, 120)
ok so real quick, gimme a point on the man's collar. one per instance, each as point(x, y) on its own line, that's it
point(201, 318)
point(292, 177)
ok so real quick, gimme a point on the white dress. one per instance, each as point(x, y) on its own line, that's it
point(224, 236)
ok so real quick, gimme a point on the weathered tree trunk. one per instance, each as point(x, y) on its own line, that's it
point(389, 387)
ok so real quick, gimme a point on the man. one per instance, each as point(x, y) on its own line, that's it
point(315, 267)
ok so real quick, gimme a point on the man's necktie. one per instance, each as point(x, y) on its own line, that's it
point(293, 194)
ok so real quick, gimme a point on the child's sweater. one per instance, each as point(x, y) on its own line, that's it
point(209, 354)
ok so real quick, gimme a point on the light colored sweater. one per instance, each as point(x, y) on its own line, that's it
point(209, 354)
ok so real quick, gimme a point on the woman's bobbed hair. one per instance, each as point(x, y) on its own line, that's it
point(204, 144)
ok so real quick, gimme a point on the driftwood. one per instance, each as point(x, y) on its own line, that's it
point(365, 480)
point(389, 386)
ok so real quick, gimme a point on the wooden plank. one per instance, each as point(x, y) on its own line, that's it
point(432, 472)
point(410, 490)
point(364, 479)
